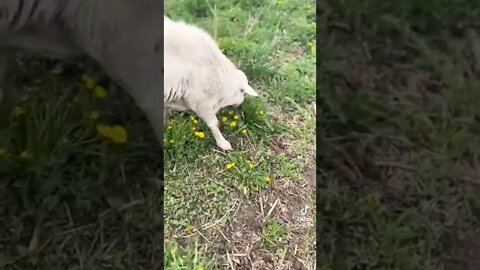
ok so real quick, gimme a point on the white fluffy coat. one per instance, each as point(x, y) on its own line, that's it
point(199, 77)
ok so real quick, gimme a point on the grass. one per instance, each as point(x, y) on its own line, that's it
point(211, 196)
point(177, 257)
point(398, 149)
point(72, 198)
point(77, 172)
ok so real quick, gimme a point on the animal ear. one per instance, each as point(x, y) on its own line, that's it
point(250, 91)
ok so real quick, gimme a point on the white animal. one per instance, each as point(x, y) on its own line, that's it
point(199, 77)
point(123, 36)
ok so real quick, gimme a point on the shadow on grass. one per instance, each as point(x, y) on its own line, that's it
point(398, 149)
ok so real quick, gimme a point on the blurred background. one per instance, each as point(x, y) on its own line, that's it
point(398, 148)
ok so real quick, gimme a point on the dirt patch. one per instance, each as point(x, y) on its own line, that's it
point(285, 202)
point(465, 253)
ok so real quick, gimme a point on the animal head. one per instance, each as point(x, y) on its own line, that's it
point(239, 88)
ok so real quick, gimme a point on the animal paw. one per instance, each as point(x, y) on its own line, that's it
point(224, 145)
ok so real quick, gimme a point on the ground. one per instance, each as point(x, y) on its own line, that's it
point(243, 209)
point(398, 135)
point(78, 171)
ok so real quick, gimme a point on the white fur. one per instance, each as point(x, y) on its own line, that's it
point(199, 77)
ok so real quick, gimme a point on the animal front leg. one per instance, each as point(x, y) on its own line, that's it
point(212, 122)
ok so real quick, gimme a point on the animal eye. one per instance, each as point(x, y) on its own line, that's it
point(242, 90)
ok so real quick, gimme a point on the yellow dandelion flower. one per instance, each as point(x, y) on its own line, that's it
point(89, 82)
point(116, 133)
point(230, 165)
point(233, 124)
point(94, 115)
point(231, 113)
point(236, 117)
point(189, 228)
point(3, 152)
point(200, 134)
point(200, 268)
point(250, 166)
point(312, 47)
point(100, 92)
point(25, 155)
point(17, 111)
point(103, 130)
point(268, 179)
point(119, 134)
point(261, 113)
point(224, 119)
point(244, 131)
point(195, 121)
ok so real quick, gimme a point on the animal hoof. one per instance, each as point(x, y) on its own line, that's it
point(225, 146)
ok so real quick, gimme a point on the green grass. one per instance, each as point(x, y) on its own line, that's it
point(209, 195)
point(177, 257)
point(398, 144)
point(274, 235)
point(72, 198)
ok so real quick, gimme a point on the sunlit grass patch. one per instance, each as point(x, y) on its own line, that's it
point(254, 175)
point(251, 122)
point(177, 258)
point(182, 131)
point(275, 235)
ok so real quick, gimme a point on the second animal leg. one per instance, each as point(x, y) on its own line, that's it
point(212, 122)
